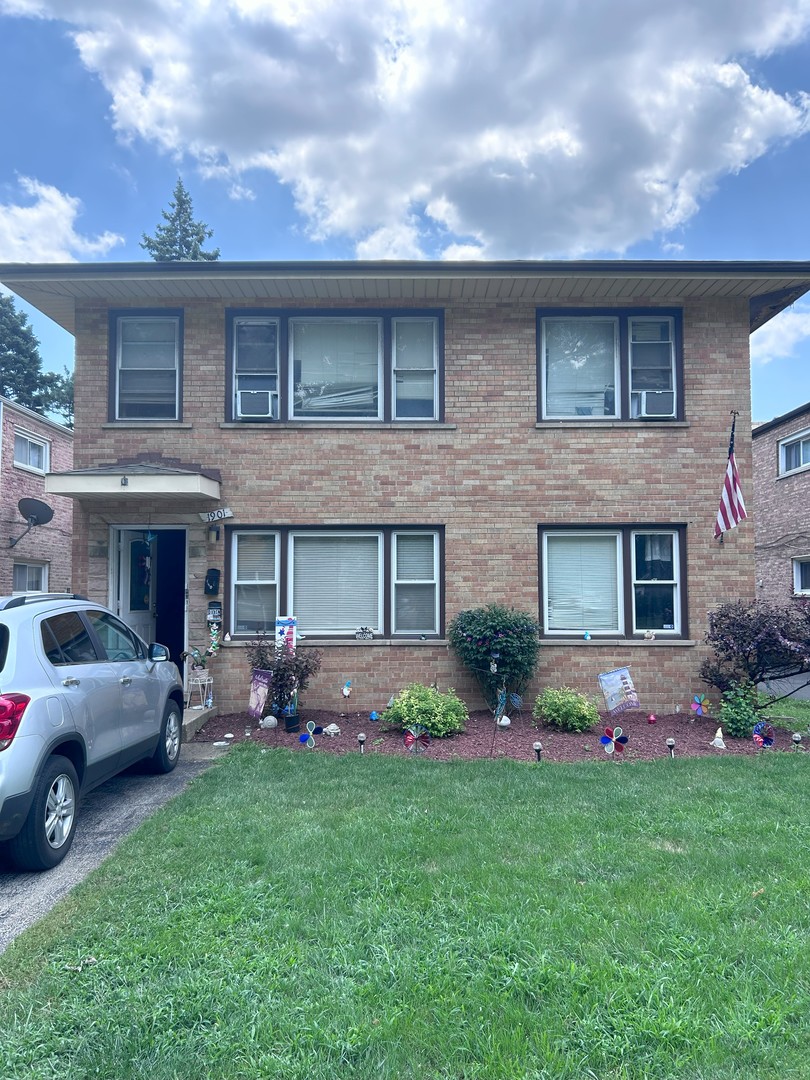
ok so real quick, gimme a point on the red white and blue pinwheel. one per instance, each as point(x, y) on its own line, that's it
point(417, 738)
point(613, 740)
point(763, 735)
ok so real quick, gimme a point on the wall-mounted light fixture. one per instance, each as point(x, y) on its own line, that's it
point(124, 481)
point(213, 534)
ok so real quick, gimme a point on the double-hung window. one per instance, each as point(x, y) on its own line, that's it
point(337, 580)
point(612, 582)
point(29, 577)
point(609, 364)
point(30, 452)
point(147, 366)
point(794, 452)
point(335, 366)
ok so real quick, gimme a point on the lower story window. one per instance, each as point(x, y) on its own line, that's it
point(334, 581)
point(30, 577)
point(801, 576)
point(619, 582)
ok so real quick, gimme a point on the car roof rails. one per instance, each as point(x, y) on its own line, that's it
point(36, 598)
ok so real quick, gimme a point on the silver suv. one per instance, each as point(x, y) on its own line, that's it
point(81, 698)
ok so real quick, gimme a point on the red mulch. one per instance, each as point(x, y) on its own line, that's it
point(483, 739)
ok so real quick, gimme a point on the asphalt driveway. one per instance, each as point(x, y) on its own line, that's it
point(108, 814)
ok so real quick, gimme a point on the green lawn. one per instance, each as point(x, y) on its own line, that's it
point(795, 711)
point(307, 916)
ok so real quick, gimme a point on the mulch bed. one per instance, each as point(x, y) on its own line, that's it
point(482, 739)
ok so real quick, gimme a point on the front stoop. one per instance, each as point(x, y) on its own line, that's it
point(193, 720)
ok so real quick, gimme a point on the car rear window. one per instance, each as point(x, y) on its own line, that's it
point(3, 646)
point(66, 640)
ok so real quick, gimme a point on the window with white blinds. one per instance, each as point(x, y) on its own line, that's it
point(335, 581)
point(148, 368)
point(582, 582)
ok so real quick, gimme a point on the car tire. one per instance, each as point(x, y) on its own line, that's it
point(47, 835)
point(167, 753)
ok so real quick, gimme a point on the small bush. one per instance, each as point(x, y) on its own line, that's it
point(565, 709)
point(738, 710)
point(440, 714)
point(499, 638)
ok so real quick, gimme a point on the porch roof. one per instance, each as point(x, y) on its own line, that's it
point(57, 289)
point(133, 482)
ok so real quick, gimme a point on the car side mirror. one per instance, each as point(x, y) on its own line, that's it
point(158, 652)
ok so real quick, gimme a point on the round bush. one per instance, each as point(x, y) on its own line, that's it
point(499, 645)
point(565, 710)
point(440, 714)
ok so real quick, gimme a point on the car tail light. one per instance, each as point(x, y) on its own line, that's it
point(12, 707)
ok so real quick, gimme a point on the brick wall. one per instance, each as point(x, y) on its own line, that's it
point(782, 506)
point(490, 475)
point(49, 543)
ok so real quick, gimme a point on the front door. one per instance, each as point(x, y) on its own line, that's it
point(149, 587)
point(136, 582)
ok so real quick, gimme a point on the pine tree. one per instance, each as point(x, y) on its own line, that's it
point(21, 376)
point(181, 238)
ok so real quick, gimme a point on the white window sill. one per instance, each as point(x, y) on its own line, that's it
point(645, 643)
point(30, 469)
point(331, 425)
point(583, 422)
point(793, 472)
point(347, 642)
point(141, 424)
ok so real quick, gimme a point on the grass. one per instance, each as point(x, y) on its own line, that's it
point(790, 713)
point(345, 918)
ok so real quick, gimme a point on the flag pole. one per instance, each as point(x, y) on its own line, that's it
point(732, 506)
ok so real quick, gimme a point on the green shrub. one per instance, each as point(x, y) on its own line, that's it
point(496, 637)
point(565, 709)
point(738, 710)
point(440, 714)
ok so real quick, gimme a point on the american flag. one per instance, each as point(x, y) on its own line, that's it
point(732, 507)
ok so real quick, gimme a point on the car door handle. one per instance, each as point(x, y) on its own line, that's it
point(125, 681)
point(70, 681)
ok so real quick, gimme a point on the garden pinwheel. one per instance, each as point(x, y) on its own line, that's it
point(613, 740)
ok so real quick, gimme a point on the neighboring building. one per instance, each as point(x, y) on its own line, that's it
point(30, 447)
point(390, 443)
point(782, 503)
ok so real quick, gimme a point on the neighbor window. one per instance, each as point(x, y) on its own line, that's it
point(801, 576)
point(147, 366)
point(335, 581)
point(608, 365)
point(612, 582)
point(335, 366)
point(29, 577)
point(31, 452)
point(794, 452)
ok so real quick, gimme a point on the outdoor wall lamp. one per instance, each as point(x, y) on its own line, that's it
point(213, 534)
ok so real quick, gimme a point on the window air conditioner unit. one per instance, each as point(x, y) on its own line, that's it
point(257, 404)
point(657, 403)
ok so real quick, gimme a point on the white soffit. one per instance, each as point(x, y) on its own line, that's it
point(125, 485)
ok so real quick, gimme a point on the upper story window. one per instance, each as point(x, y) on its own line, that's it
point(335, 367)
point(336, 580)
point(794, 452)
point(147, 351)
point(30, 452)
point(609, 364)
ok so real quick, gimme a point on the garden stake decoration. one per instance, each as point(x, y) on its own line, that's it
point(308, 739)
point(417, 738)
point(763, 735)
point(700, 705)
point(671, 747)
point(361, 738)
point(538, 750)
point(717, 741)
point(347, 688)
point(613, 740)
point(797, 739)
point(651, 719)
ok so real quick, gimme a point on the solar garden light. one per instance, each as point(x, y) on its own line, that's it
point(538, 750)
point(361, 738)
point(671, 746)
point(796, 740)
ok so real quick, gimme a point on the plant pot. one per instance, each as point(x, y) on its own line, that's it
point(292, 722)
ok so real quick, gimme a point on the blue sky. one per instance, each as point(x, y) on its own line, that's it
point(308, 129)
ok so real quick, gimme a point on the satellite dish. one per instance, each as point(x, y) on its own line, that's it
point(35, 513)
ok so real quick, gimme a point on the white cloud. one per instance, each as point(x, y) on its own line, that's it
point(785, 337)
point(423, 126)
point(44, 230)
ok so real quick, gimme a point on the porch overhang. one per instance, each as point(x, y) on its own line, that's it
point(134, 482)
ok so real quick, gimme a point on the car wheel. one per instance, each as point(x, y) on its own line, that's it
point(167, 753)
point(47, 835)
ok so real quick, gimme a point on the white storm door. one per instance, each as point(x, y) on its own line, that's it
point(136, 583)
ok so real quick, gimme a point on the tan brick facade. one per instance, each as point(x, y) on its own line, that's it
point(782, 507)
point(47, 546)
point(490, 475)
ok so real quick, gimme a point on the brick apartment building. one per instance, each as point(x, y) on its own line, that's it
point(386, 444)
point(781, 456)
point(31, 446)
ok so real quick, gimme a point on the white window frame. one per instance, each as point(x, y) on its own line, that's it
point(790, 440)
point(310, 534)
point(32, 440)
point(584, 534)
point(673, 372)
point(434, 581)
point(237, 581)
point(272, 376)
point(433, 371)
point(119, 350)
point(574, 316)
point(30, 565)
point(798, 562)
point(674, 582)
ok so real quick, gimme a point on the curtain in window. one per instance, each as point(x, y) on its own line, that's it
point(336, 367)
point(415, 584)
point(336, 583)
point(580, 363)
point(582, 583)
